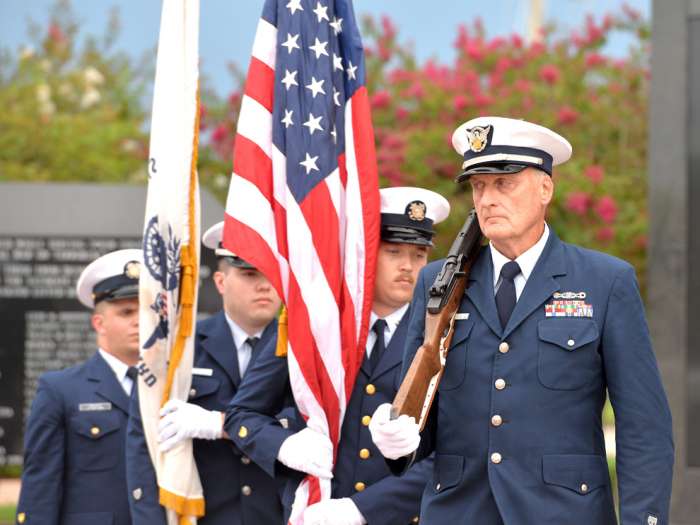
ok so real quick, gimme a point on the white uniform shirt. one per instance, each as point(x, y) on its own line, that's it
point(392, 323)
point(527, 261)
point(243, 349)
point(119, 368)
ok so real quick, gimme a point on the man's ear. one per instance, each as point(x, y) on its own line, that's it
point(97, 321)
point(218, 278)
point(546, 189)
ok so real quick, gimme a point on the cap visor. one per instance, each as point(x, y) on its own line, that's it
point(490, 169)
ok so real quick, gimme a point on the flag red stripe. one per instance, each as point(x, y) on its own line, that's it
point(242, 239)
point(252, 163)
point(342, 170)
point(321, 217)
point(260, 83)
point(365, 155)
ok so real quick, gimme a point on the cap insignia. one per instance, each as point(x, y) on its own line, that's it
point(416, 210)
point(478, 138)
point(132, 269)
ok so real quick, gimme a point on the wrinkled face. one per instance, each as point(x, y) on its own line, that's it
point(249, 298)
point(512, 204)
point(117, 326)
point(398, 265)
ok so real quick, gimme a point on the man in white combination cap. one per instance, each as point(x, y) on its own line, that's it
point(74, 470)
point(362, 489)
point(236, 491)
point(545, 330)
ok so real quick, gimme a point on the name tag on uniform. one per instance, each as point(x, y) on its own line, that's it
point(203, 372)
point(461, 316)
point(94, 407)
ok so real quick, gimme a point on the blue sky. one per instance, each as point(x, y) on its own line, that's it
point(228, 26)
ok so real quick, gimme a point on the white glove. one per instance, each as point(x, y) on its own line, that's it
point(308, 451)
point(341, 511)
point(394, 438)
point(180, 420)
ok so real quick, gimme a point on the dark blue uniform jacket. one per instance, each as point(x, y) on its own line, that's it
point(236, 491)
point(544, 460)
point(74, 471)
point(380, 497)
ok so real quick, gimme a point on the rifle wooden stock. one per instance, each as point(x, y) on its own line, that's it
point(419, 386)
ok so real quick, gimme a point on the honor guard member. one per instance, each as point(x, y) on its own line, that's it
point(546, 328)
point(236, 491)
point(74, 444)
point(363, 490)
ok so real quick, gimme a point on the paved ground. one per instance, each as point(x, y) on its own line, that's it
point(9, 491)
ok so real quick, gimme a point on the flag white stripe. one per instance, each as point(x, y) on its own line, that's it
point(355, 240)
point(255, 124)
point(264, 46)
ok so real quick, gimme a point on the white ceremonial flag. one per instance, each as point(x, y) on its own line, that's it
point(168, 284)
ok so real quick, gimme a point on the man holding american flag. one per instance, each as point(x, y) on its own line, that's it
point(361, 481)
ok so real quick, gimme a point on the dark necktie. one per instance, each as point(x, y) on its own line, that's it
point(378, 348)
point(132, 373)
point(505, 298)
point(252, 341)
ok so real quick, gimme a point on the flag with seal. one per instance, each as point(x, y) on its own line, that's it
point(168, 286)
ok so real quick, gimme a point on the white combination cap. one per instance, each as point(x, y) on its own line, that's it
point(408, 214)
point(506, 145)
point(112, 276)
point(212, 239)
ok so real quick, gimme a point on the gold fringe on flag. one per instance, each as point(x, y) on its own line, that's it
point(183, 506)
point(281, 350)
point(188, 270)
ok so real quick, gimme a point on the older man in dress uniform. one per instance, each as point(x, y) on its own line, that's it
point(546, 330)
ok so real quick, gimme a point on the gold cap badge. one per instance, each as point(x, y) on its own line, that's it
point(478, 138)
point(416, 210)
point(132, 269)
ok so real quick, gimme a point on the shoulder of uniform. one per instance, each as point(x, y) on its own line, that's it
point(600, 261)
point(206, 323)
point(59, 380)
point(205, 326)
point(431, 269)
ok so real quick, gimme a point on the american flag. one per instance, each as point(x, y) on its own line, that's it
point(303, 204)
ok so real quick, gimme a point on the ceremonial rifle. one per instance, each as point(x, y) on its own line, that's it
point(418, 389)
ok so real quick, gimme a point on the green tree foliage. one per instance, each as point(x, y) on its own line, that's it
point(80, 113)
point(561, 81)
point(72, 112)
point(564, 82)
